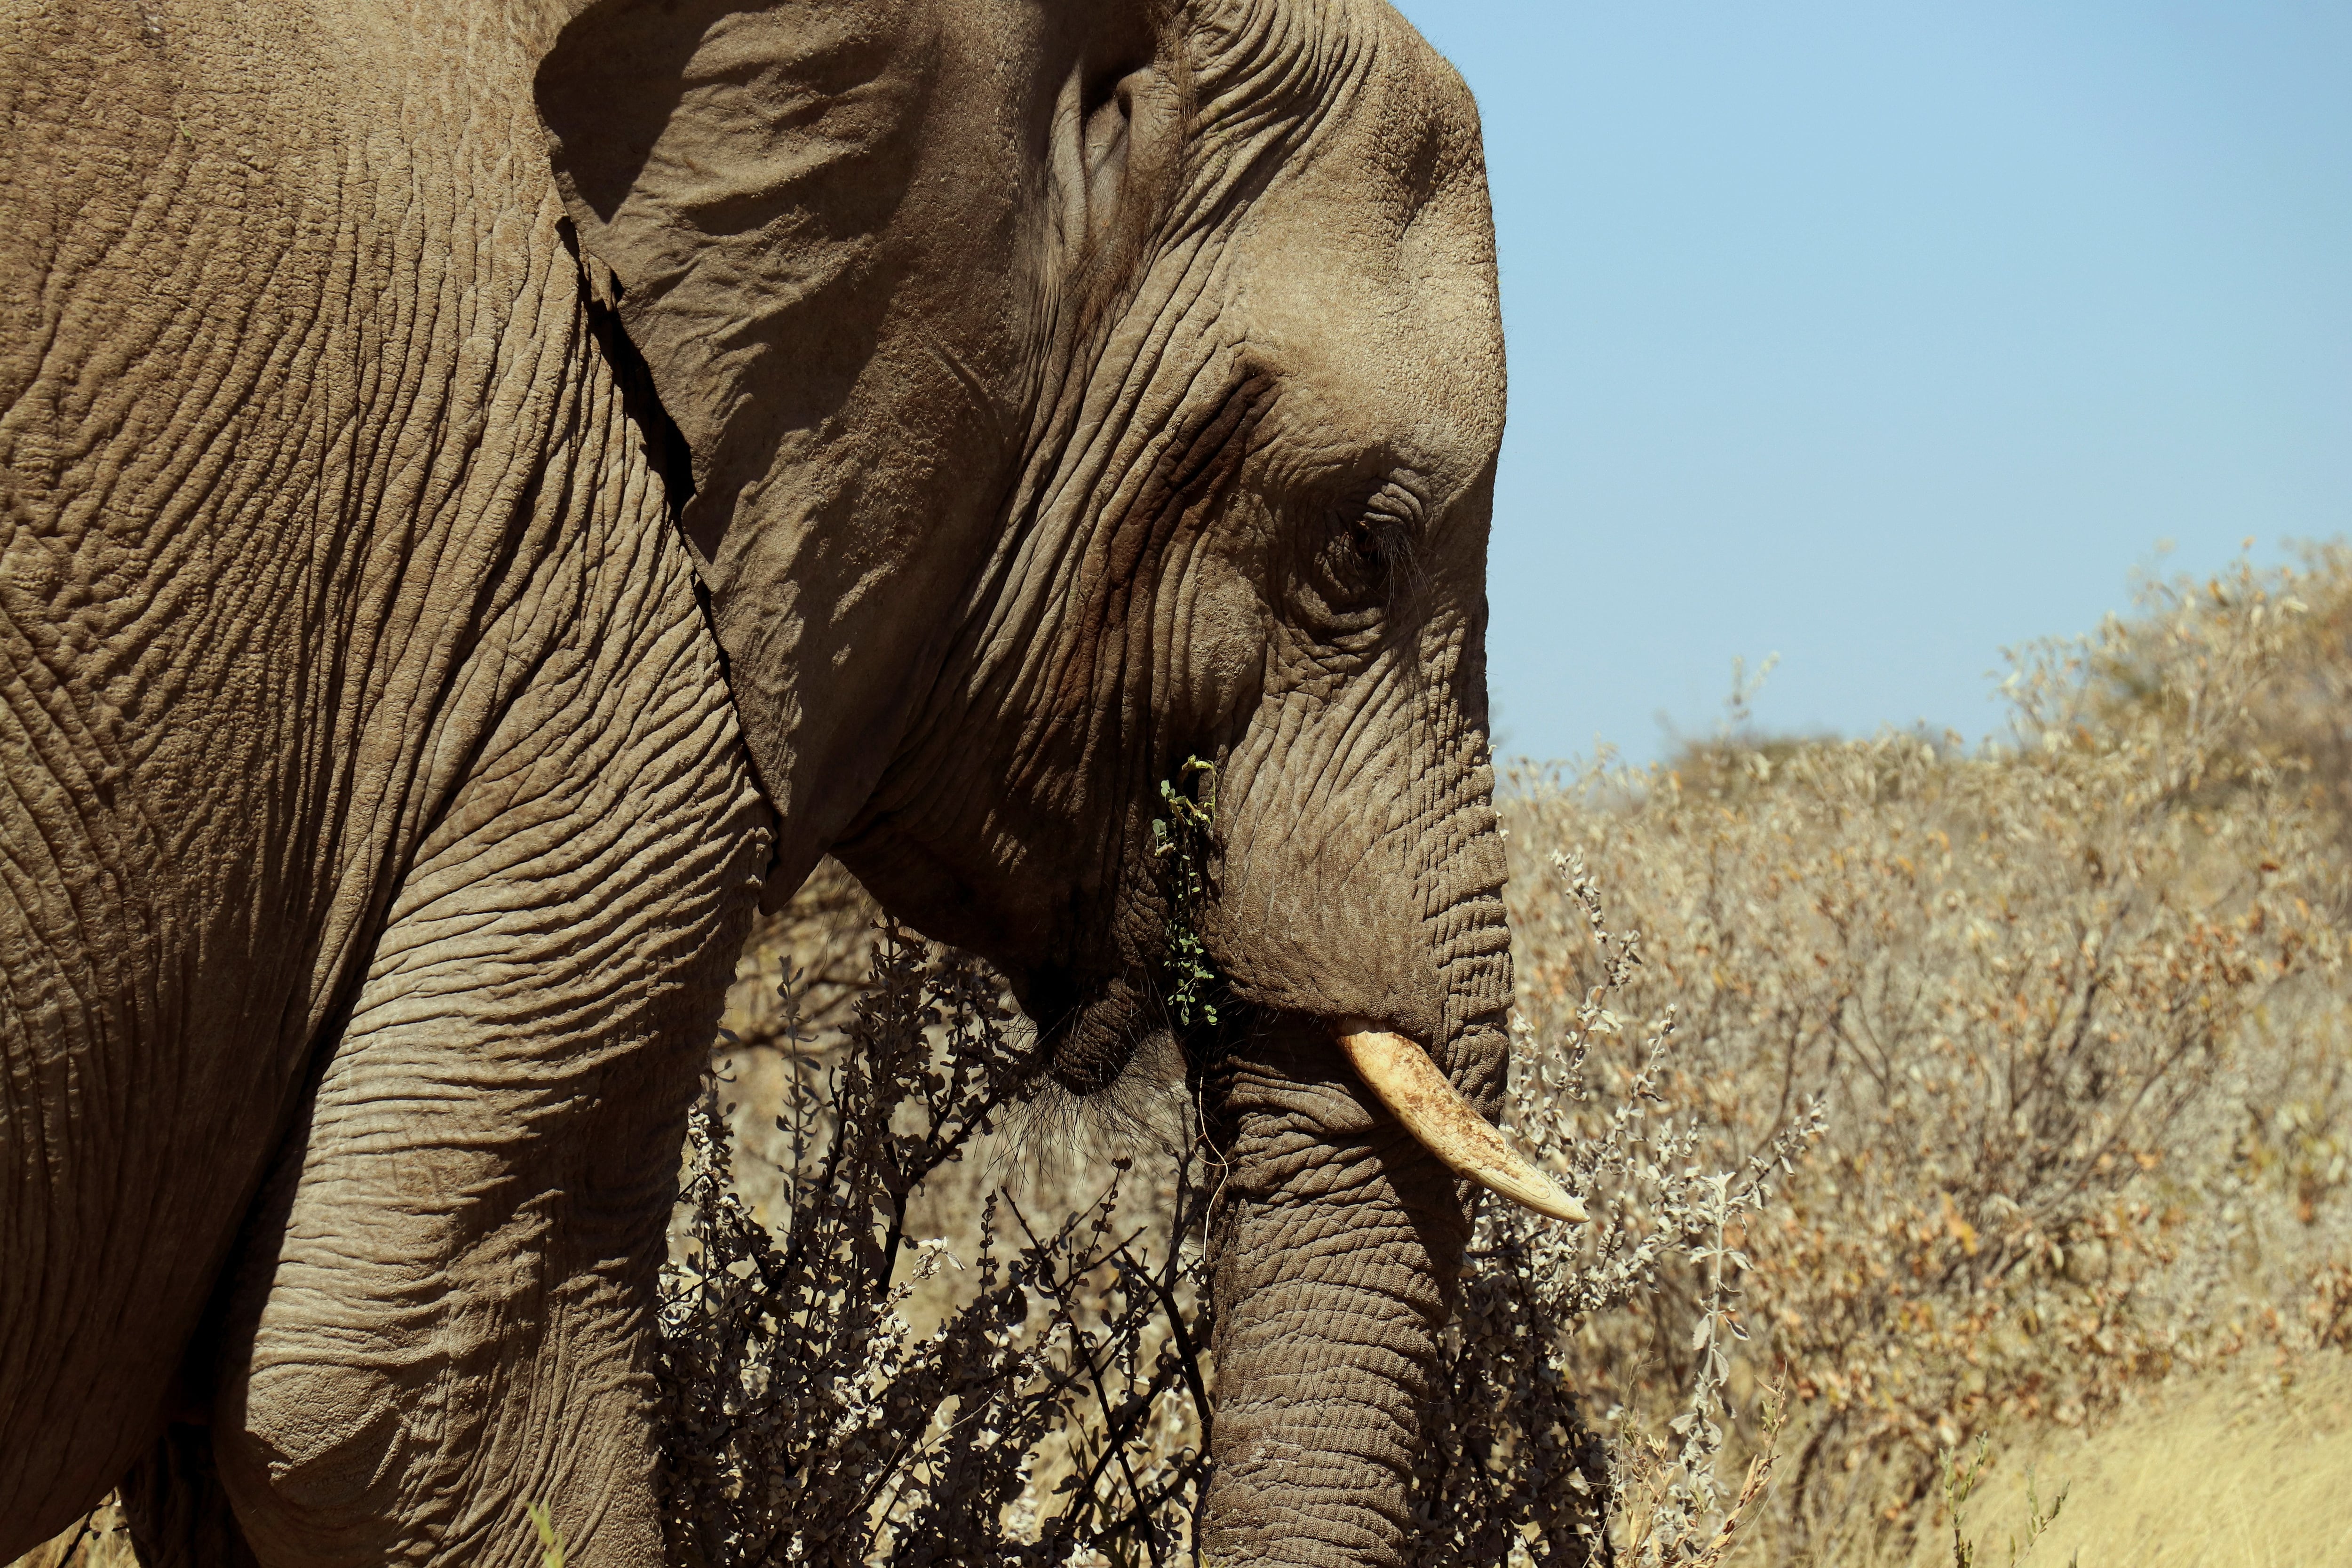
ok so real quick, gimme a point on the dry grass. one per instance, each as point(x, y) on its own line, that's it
point(2217, 1472)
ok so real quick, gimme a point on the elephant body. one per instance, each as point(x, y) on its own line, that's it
point(388, 829)
point(493, 487)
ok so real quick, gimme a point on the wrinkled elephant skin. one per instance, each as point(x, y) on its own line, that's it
point(492, 487)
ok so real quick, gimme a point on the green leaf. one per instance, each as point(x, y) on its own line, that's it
point(550, 1544)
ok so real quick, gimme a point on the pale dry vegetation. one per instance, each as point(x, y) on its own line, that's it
point(1946, 1113)
point(2216, 1472)
point(2074, 1009)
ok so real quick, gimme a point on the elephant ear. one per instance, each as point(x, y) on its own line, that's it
point(845, 238)
point(731, 173)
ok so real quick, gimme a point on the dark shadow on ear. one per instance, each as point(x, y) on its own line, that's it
point(610, 86)
point(1116, 152)
point(734, 170)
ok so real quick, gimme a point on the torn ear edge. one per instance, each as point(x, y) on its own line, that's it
point(1116, 161)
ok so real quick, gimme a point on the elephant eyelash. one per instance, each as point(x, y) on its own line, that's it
point(1385, 534)
point(1380, 541)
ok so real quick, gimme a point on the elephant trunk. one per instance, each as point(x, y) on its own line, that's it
point(1338, 1237)
point(1367, 929)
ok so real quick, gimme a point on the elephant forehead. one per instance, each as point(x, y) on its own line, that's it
point(1364, 273)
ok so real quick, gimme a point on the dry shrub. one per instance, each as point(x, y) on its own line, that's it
point(1519, 1475)
point(2306, 712)
point(2062, 1000)
point(802, 969)
point(99, 1540)
point(810, 1422)
point(814, 1423)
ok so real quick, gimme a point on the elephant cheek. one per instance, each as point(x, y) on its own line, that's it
point(1337, 1242)
point(1312, 919)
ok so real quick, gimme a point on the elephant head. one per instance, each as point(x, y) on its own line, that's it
point(1059, 391)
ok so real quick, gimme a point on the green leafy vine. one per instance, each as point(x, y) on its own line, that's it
point(1181, 840)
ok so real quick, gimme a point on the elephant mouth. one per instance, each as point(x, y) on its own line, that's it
point(1089, 1027)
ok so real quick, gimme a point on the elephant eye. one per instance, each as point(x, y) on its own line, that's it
point(1364, 564)
point(1380, 534)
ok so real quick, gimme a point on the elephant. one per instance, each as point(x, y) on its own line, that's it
point(496, 490)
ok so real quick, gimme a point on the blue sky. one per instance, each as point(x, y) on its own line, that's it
point(1880, 335)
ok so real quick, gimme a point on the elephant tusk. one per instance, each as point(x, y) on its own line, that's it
point(1401, 1073)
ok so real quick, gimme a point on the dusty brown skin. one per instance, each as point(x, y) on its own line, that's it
point(1040, 392)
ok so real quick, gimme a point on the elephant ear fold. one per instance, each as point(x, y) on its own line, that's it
point(1116, 150)
point(728, 170)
